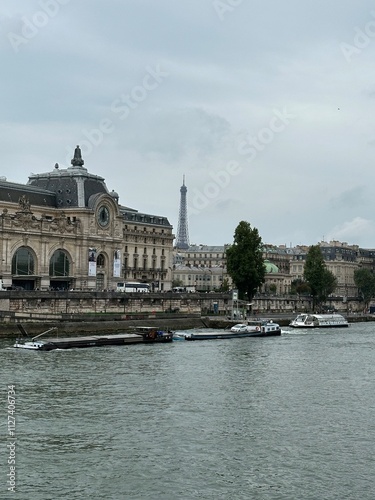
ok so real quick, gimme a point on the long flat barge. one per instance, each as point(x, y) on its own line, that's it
point(145, 335)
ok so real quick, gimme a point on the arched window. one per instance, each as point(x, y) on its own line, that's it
point(100, 261)
point(59, 264)
point(23, 262)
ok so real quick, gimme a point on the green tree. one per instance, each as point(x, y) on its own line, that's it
point(329, 285)
point(300, 287)
point(224, 285)
point(320, 280)
point(272, 288)
point(245, 262)
point(177, 283)
point(365, 281)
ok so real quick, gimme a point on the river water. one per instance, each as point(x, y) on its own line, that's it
point(290, 417)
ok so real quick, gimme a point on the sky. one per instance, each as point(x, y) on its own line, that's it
point(266, 107)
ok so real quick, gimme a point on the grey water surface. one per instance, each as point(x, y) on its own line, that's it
point(290, 417)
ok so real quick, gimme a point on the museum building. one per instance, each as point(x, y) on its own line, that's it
point(64, 230)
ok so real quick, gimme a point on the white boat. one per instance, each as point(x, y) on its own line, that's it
point(36, 345)
point(179, 336)
point(319, 321)
point(254, 329)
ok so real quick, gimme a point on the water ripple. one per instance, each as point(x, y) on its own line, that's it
point(270, 419)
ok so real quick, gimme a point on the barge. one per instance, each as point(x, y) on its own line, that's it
point(253, 329)
point(143, 335)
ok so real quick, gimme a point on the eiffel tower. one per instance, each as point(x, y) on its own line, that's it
point(182, 240)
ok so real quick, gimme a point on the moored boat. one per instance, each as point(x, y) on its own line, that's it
point(143, 335)
point(240, 327)
point(319, 321)
point(254, 329)
point(36, 345)
point(33, 344)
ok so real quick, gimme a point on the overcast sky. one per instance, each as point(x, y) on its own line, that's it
point(267, 108)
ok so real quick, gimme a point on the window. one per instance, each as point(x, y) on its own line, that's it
point(59, 264)
point(99, 280)
point(23, 262)
point(100, 261)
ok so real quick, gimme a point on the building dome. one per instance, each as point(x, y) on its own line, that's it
point(114, 195)
point(270, 268)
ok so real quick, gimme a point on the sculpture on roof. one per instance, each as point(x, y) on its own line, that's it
point(24, 203)
point(77, 160)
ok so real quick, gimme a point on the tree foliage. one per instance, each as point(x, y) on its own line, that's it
point(245, 263)
point(224, 285)
point(320, 280)
point(301, 287)
point(365, 281)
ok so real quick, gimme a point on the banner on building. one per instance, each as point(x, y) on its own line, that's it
point(92, 261)
point(116, 264)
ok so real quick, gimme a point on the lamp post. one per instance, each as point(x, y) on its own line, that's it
point(234, 301)
point(346, 298)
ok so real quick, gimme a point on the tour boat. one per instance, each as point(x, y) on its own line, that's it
point(319, 321)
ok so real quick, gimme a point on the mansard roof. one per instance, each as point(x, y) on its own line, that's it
point(134, 216)
point(73, 186)
point(12, 192)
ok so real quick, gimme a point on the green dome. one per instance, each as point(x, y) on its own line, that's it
point(270, 268)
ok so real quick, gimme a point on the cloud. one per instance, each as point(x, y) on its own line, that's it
point(353, 231)
point(225, 79)
point(350, 198)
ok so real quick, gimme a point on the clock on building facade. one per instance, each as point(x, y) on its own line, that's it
point(103, 216)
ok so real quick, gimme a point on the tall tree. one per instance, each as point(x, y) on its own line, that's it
point(365, 281)
point(245, 262)
point(299, 286)
point(320, 280)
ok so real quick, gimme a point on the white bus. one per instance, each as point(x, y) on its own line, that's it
point(132, 287)
point(181, 289)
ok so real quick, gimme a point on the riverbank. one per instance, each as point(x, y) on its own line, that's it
point(101, 325)
point(82, 327)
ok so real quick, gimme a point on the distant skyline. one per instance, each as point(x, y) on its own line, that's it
point(266, 107)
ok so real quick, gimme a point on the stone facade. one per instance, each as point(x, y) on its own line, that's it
point(65, 230)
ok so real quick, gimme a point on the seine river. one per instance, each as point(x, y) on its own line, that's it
point(290, 417)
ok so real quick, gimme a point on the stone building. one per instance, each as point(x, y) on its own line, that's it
point(200, 267)
point(64, 230)
point(340, 258)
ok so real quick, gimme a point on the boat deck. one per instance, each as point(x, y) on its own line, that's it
point(50, 343)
